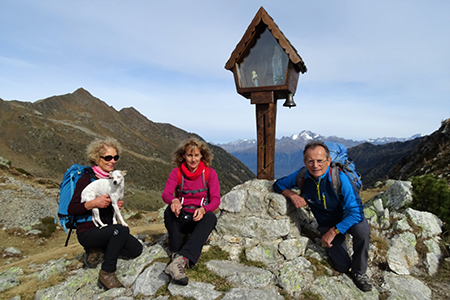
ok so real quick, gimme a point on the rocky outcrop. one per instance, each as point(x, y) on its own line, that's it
point(261, 226)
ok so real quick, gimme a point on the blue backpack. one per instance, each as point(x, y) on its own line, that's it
point(66, 190)
point(339, 162)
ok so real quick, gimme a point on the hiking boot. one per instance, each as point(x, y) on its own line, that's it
point(176, 270)
point(108, 280)
point(362, 282)
point(93, 257)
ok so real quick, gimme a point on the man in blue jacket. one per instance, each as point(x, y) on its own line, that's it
point(335, 214)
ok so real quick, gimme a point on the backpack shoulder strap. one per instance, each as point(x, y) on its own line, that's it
point(180, 179)
point(300, 179)
point(334, 172)
point(206, 176)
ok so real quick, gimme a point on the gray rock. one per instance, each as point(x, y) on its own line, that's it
point(11, 251)
point(340, 287)
point(10, 278)
point(196, 290)
point(53, 268)
point(129, 270)
point(433, 256)
point(82, 285)
point(293, 248)
point(252, 294)
point(295, 276)
point(233, 201)
point(240, 275)
point(402, 225)
point(398, 195)
point(402, 255)
point(405, 287)
point(151, 280)
point(266, 252)
point(428, 222)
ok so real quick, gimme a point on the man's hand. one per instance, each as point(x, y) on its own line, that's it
point(297, 200)
point(176, 207)
point(328, 237)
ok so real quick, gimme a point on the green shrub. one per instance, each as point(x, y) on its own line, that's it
point(433, 195)
point(47, 227)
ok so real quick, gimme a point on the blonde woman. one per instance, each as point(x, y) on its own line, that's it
point(108, 242)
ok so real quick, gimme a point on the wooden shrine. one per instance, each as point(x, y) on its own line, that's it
point(266, 68)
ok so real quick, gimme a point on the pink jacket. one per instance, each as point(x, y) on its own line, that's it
point(197, 198)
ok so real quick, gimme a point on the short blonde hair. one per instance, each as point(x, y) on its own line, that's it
point(206, 153)
point(98, 147)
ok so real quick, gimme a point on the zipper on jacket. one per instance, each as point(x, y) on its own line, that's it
point(323, 194)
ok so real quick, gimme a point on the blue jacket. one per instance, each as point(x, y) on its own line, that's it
point(328, 209)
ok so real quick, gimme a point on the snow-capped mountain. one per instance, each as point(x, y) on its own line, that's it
point(289, 150)
point(385, 140)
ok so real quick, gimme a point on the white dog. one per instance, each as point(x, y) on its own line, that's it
point(113, 187)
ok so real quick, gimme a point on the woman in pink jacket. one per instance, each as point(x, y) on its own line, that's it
point(192, 192)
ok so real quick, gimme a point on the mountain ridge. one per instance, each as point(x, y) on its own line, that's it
point(46, 136)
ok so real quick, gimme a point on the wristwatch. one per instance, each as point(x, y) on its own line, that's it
point(337, 231)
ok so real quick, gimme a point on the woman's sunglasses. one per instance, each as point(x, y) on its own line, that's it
point(110, 157)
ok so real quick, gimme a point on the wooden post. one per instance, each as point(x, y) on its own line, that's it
point(266, 112)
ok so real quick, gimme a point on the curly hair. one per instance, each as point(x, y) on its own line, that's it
point(98, 147)
point(206, 153)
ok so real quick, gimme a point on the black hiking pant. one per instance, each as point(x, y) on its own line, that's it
point(338, 253)
point(189, 246)
point(115, 240)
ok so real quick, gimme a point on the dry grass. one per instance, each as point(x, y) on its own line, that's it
point(368, 194)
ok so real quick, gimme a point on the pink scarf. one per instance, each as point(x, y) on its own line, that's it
point(99, 172)
point(192, 175)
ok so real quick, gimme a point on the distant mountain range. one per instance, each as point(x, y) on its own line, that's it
point(289, 150)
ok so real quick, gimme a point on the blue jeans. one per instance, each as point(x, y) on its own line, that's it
point(338, 252)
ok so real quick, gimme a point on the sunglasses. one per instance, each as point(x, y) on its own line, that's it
point(110, 157)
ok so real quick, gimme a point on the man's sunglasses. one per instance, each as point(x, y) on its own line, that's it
point(110, 157)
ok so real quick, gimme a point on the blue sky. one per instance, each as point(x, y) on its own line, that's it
point(382, 65)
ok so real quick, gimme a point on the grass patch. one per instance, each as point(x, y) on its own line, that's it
point(243, 260)
point(368, 194)
point(308, 295)
point(12, 187)
point(46, 227)
point(201, 273)
point(143, 201)
point(381, 243)
point(321, 267)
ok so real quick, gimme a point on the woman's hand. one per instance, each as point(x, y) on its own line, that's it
point(120, 204)
point(199, 213)
point(176, 207)
point(102, 201)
